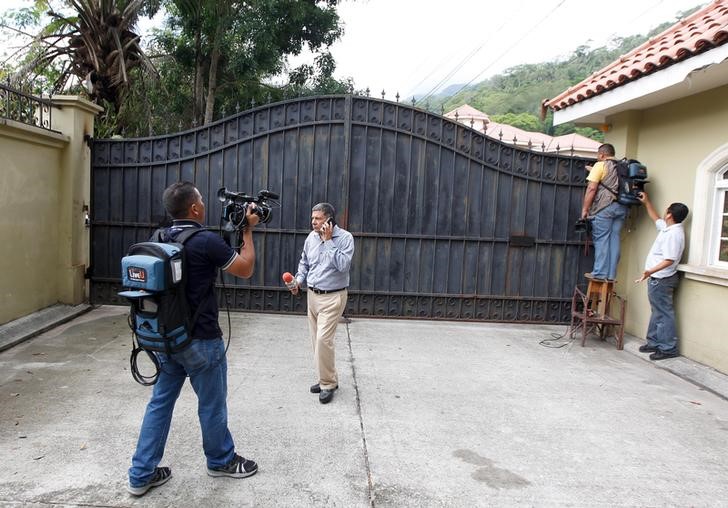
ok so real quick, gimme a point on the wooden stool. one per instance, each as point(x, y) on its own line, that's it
point(598, 295)
point(591, 309)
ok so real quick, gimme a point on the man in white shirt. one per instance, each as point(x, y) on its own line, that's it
point(661, 274)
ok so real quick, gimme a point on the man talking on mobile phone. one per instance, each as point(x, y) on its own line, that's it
point(324, 266)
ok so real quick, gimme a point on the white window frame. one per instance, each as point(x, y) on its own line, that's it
point(721, 190)
point(707, 215)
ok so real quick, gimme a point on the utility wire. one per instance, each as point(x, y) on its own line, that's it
point(604, 41)
point(465, 60)
point(510, 48)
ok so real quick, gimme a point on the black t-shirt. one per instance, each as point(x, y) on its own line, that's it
point(205, 253)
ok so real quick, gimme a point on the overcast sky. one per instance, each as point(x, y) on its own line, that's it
point(415, 46)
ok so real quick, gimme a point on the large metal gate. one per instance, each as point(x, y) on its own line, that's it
point(448, 223)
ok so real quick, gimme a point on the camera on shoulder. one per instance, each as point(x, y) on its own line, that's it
point(235, 208)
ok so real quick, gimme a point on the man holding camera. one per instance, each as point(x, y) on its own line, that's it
point(325, 263)
point(606, 214)
point(661, 274)
point(203, 361)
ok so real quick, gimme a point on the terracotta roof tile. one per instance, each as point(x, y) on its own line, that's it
point(510, 134)
point(701, 31)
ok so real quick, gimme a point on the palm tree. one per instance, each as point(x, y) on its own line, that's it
point(97, 45)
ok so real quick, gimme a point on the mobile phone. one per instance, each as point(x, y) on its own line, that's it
point(330, 220)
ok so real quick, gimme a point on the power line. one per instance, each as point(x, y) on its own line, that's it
point(460, 64)
point(510, 48)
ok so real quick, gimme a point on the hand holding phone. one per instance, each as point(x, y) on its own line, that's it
point(327, 230)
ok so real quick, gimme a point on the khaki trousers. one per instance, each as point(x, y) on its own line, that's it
point(323, 316)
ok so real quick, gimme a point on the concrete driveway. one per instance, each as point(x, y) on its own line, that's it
point(428, 414)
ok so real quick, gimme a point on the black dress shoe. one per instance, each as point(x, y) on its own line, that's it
point(326, 396)
point(661, 355)
point(646, 348)
point(317, 388)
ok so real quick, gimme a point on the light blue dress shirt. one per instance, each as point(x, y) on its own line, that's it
point(325, 265)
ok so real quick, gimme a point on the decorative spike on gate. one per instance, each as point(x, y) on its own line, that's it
point(396, 97)
point(472, 122)
point(383, 93)
point(456, 116)
point(252, 103)
point(237, 107)
point(367, 92)
point(414, 101)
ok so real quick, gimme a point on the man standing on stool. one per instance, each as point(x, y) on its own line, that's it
point(325, 263)
point(607, 215)
point(662, 276)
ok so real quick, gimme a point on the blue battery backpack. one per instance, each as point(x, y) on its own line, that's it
point(154, 276)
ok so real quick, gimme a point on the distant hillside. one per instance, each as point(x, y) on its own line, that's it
point(514, 97)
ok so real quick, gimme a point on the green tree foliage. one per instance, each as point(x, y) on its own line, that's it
point(212, 56)
point(525, 121)
point(514, 97)
point(216, 56)
point(92, 41)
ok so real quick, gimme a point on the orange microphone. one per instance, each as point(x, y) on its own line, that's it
point(289, 280)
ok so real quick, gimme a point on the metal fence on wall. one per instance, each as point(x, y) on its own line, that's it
point(23, 107)
point(448, 224)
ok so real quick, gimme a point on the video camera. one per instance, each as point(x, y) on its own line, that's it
point(632, 179)
point(582, 226)
point(236, 206)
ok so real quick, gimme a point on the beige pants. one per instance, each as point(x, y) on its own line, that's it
point(323, 316)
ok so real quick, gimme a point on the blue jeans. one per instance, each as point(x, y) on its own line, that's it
point(205, 363)
point(606, 226)
point(661, 332)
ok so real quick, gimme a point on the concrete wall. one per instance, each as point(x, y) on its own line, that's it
point(672, 140)
point(44, 186)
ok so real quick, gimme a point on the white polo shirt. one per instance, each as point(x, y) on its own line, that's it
point(669, 244)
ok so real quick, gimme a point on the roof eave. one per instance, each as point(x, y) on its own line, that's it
point(694, 75)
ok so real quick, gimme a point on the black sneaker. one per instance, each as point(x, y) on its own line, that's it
point(239, 467)
point(646, 348)
point(661, 355)
point(161, 475)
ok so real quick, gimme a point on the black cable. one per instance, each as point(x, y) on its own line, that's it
point(224, 288)
point(133, 365)
point(547, 342)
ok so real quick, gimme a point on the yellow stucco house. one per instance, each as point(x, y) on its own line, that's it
point(666, 104)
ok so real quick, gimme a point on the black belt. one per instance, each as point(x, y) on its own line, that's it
point(325, 291)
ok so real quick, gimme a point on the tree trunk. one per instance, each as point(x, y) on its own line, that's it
point(197, 85)
point(212, 78)
point(199, 92)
